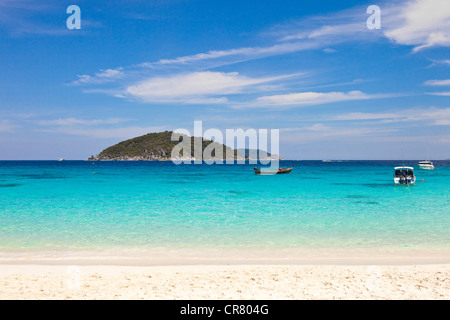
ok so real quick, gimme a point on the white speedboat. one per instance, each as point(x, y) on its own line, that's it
point(404, 175)
point(427, 165)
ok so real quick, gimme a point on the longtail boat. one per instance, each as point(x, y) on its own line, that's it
point(279, 171)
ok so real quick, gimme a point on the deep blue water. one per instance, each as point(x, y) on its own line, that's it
point(79, 204)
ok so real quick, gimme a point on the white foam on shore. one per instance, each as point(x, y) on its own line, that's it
point(210, 256)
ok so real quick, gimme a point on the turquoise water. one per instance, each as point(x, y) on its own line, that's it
point(76, 204)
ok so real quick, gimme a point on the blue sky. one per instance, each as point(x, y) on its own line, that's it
point(312, 69)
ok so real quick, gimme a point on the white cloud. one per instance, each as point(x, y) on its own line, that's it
point(106, 133)
point(341, 26)
point(320, 132)
point(418, 23)
point(107, 75)
point(318, 127)
point(23, 4)
point(338, 31)
point(329, 50)
point(440, 62)
point(440, 117)
point(306, 99)
point(444, 94)
point(196, 87)
point(438, 82)
point(435, 116)
point(366, 116)
point(421, 23)
point(238, 53)
point(6, 126)
point(75, 121)
point(315, 37)
point(95, 128)
point(213, 54)
point(23, 17)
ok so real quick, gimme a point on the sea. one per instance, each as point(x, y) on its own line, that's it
point(142, 210)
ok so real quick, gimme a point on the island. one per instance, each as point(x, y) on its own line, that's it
point(158, 146)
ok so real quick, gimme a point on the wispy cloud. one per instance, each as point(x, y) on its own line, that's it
point(24, 18)
point(310, 98)
point(94, 128)
point(197, 87)
point(107, 75)
point(306, 99)
point(418, 23)
point(7, 126)
point(329, 50)
point(237, 54)
point(188, 79)
point(75, 121)
point(333, 33)
point(320, 132)
point(440, 62)
point(320, 34)
point(445, 82)
point(443, 94)
point(106, 133)
point(23, 4)
point(308, 34)
point(357, 116)
point(18, 16)
point(336, 27)
point(432, 116)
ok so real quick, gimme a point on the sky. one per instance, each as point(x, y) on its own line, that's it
point(318, 71)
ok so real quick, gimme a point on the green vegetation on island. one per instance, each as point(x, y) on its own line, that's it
point(159, 146)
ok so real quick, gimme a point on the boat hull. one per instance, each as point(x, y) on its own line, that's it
point(269, 173)
point(406, 182)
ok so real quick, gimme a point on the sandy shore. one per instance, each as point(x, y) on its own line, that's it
point(225, 282)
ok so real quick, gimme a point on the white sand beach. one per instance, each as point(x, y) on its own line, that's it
point(271, 282)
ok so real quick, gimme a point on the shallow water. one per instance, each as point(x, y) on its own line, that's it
point(50, 205)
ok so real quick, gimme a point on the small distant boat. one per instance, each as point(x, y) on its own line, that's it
point(60, 159)
point(426, 165)
point(279, 171)
point(404, 175)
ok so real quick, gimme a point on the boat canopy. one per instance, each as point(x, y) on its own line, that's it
point(404, 171)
